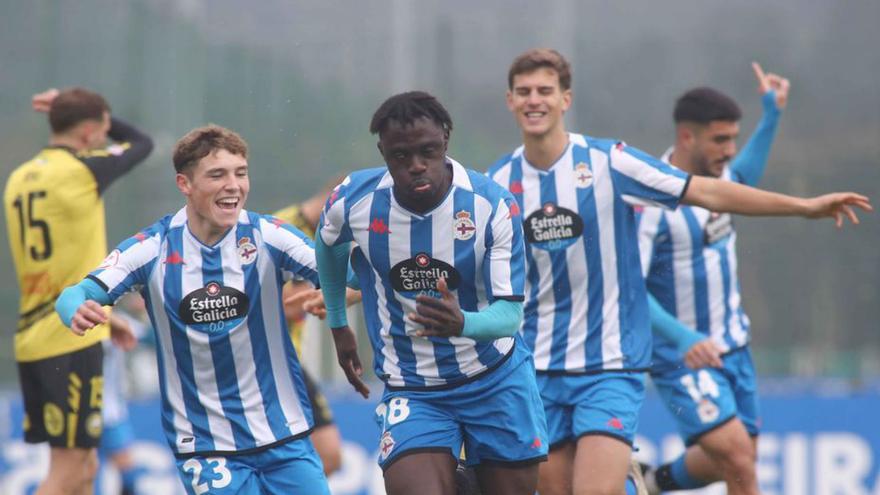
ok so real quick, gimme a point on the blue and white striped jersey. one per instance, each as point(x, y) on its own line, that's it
point(230, 380)
point(473, 239)
point(586, 308)
point(689, 261)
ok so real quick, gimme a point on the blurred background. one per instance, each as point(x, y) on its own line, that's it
point(300, 80)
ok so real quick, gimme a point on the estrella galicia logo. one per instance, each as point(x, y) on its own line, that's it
point(553, 228)
point(213, 307)
point(420, 274)
point(718, 227)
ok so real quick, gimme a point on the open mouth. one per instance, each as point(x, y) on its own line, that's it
point(228, 204)
point(534, 116)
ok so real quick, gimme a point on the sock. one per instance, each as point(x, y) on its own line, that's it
point(674, 476)
point(630, 486)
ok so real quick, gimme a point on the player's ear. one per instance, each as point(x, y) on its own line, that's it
point(566, 99)
point(509, 98)
point(183, 183)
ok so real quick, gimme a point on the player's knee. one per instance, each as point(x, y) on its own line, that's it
point(77, 467)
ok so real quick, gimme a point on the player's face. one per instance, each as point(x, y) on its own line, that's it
point(714, 146)
point(538, 102)
point(216, 189)
point(416, 158)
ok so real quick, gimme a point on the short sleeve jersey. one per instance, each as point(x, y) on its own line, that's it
point(690, 266)
point(229, 378)
point(586, 306)
point(472, 239)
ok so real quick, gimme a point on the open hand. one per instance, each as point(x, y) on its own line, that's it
point(42, 102)
point(772, 82)
point(438, 317)
point(346, 353)
point(837, 206)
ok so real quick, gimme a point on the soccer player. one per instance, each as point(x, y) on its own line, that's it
point(325, 436)
point(689, 260)
point(586, 310)
point(234, 407)
point(439, 259)
point(55, 226)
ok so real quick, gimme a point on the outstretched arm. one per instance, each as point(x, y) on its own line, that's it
point(726, 196)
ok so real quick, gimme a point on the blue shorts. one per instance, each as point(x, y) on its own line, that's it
point(705, 399)
point(116, 437)
point(498, 417)
point(292, 467)
point(605, 403)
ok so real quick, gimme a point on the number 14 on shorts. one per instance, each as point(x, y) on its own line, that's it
point(221, 476)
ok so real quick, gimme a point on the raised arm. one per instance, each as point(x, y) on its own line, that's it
point(748, 166)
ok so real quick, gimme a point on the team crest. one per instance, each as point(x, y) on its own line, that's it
point(386, 445)
point(583, 177)
point(247, 252)
point(707, 411)
point(110, 260)
point(463, 227)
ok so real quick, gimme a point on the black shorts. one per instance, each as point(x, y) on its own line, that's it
point(62, 398)
point(320, 408)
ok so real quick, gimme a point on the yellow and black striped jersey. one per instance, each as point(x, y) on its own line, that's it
point(56, 231)
point(293, 216)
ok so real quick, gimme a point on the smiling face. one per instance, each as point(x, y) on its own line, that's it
point(216, 190)
point(538, 102)
point(416, 158)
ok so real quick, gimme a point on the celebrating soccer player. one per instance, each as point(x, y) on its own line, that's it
point(234, 405)
point(689, 260)
point(439, 259)
point(55, 222)
point(586, 310)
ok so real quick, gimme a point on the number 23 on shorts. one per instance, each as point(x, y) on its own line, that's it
point(222, 477)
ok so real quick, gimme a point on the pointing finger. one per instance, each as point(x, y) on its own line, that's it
point(759, 75)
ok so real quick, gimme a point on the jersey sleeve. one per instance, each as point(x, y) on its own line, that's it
point(128, 267)
point(504, 261)
point(648, 220)
point(334, 227)
point(292, 251)
point(641, 179)
point(130, 147)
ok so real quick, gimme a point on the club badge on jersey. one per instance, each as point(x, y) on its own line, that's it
point(247, 251)
point(583, 177)
point(463, 227)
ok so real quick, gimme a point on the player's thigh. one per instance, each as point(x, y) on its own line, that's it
point(421, 473)
point(217, 475)
point(601, 463)
point(555, 475)
point(508, 479)
point(504, 424)
point(700, 401)
point(740, 369)
point(558, 406)
point(293, 467)
point(63, 398)
point(411, 424)
point(608, 404)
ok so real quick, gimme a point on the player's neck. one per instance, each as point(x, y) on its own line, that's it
point(67, 141)
point(206, 233)
point(544, 150)
point(682, 161)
